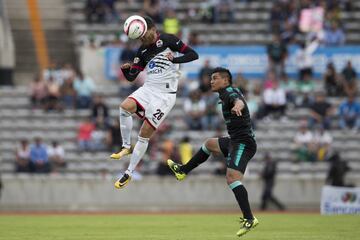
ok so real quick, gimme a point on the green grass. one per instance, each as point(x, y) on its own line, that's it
point(176, 227)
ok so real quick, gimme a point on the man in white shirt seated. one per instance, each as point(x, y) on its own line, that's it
point(56, 155)
point(274, 100)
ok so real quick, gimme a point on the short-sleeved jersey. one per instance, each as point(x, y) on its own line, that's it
point(239, 127)
point(161, 72)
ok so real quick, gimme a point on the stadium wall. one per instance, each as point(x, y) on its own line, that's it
point(152, 193)
point(250, 60)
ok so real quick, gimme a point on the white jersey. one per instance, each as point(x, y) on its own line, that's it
point(161, 74)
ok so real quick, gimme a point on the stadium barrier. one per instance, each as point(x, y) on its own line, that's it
point(152, 193)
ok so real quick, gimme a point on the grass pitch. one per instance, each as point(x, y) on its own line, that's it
point(176, 227)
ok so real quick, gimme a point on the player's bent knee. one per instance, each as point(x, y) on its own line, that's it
point(128, 105)
point(124, 112)
point(211, 145)
point(233, 175)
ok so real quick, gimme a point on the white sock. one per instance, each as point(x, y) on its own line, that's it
point(138, 153)
point(126, 125)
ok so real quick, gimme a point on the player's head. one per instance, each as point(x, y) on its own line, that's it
point(220, 78)
point(151, 33)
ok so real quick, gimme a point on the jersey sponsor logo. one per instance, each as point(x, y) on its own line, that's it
point(136, 60)
point(159, 43)
point(155, 71)
point(152, 64)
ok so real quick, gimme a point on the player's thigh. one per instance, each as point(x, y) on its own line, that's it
point(159, 108)
point(212, 144)
point(129, 105)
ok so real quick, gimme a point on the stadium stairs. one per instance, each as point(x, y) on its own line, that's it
point(57, 32)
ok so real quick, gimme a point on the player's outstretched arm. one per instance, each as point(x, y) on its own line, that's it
point(189, 55)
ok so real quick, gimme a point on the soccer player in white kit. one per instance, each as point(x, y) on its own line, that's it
point(153, 101)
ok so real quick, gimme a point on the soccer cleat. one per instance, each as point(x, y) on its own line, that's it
point(123, 181)
point(124, 152)
point(176, 170)
point(247, 225)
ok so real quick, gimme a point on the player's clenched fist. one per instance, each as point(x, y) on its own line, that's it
point(126, 66)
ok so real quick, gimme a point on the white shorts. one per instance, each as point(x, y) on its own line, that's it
point(153, 106)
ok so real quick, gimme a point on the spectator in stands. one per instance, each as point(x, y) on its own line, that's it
point(331, 81)
point(94, 11)
point(253, 105)
point(304, 148)
point(334, 36)
point(68, 93)
point(288, 34)
point(349, 79)
point(153, 9)
point(304, 59)
point(127, 54)
point(289, 87)
point(53, 99)
point(171, 24)
point(276, 18)
point(206, 11)
point(204, 76)
point(22, 163)
point(84, 134)
point(111, 15)
point(168, 151)
point(277, 53)
point(210, 120)
point(194, 108)
point(242, 83)
point(84, 87)
point(268, 176)
point(337, 171)
point(56, 155)
point(194, 39)
point(224, 11)
point(114, 136)
point(274, 101)
point(322, 141)
point(98, 138)
point(67, 72)
point(321, 112)
point(100, 112)
point(39, 159)
point(185, 150)
point(349, 114)
point(38, 92)
point(55, 72)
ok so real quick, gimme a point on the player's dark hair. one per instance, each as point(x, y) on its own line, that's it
point(149, 22)
point(224, 72)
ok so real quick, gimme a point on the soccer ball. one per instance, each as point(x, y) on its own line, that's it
point(135, 27)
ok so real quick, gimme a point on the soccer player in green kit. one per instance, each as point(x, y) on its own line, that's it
point(238, 148)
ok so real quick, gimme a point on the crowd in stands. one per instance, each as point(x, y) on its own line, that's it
point(58, 88)
point(39, 158)
point(289, 19)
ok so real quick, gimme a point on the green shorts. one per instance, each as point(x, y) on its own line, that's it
point(238, 153)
